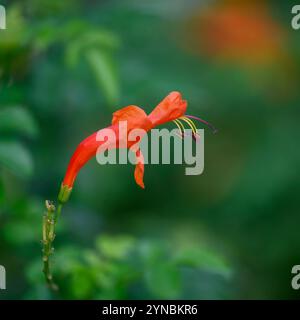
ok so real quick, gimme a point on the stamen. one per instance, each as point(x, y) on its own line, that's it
point(180, 127)
point(193, 127)
point(214, 129)
point(190, 123)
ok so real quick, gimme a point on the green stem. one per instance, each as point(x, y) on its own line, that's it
point(49, 223)
point(58, 212)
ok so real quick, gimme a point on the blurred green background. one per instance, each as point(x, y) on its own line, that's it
point(229, 233)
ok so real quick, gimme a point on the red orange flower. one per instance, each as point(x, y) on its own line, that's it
point(171, 108)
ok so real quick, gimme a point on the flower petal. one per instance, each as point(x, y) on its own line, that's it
point(170, 108)
point(136, 118)
point(139, 169)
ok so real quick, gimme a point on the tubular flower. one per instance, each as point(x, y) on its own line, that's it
point(171, 108)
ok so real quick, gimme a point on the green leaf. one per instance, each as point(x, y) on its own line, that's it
point(92, 258)
point(16, 158)
point(205, 258)
point(17, 120)
point(100, 39)
point(67, 259)
point(82, 283)
point(163, 280)
point(105, 72)
point(115, 247)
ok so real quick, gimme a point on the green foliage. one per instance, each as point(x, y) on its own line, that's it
point(23, 227)
point(229, 233)
point(78, 38)
point(17, 120)
point(97, 48)
point(168, 277)
point(104, 69)
point(13, 154)
point(116, 266)
point(114, 247)
point(201, 257)
point(16, 158)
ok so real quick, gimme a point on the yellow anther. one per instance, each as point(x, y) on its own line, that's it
point(179, 126)
point(190, 123)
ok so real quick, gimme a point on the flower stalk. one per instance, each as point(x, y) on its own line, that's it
point(49, 223)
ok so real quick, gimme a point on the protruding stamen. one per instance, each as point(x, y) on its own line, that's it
point(180, 127)
point(192, 126)
point(214, 129)
point(190, 123)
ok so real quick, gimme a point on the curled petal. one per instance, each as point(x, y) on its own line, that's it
point(170, 108)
